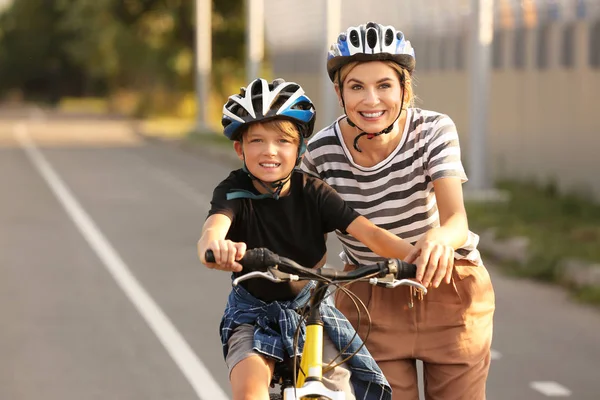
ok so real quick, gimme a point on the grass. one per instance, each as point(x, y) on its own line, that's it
point(209, 137)
point(589, 295)
point(558, 226)
point(168, 128)
point(90, 105)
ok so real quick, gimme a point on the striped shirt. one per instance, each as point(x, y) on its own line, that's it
point(397, 193)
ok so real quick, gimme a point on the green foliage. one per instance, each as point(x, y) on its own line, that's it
point(209, 138)
point(589, 295)
point(31, 53)
point(558, 227)
point(91, 47)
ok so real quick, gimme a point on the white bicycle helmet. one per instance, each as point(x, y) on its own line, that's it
point(370, 42)
point(262, 101)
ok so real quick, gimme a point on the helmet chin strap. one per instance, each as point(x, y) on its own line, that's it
point(273, 188)
point(363, 133)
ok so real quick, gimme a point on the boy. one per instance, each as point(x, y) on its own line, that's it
point(269, 203)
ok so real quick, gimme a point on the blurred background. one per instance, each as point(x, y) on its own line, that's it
point(121, 101)
point(138, 58)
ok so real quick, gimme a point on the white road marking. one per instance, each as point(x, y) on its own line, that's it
point(495, 354)
point(550, 389)
point(196, 373)
point(37, 114)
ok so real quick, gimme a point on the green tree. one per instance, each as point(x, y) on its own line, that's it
point(71, 47)
point(32, 57)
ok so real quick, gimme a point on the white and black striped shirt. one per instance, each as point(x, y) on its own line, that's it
point(396, 194)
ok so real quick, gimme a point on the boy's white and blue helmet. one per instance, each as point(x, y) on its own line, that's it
point(370, 42)
point(261, 101)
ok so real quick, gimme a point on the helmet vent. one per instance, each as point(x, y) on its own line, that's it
point(279, 101)
point(292, 88)
point(354, 38)
point(389, 37)
point(236, 109)
point(275, 83)
point(257, 96)
point(372, 38)
point(304, 105)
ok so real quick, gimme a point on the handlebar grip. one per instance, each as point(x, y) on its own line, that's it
point(406, 270)
point(254, 260)
point(209, 256)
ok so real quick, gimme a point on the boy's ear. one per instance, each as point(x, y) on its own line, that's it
point(239, 149)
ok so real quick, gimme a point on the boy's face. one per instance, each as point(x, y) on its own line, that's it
point(270, 154)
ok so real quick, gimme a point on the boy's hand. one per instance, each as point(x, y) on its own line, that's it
point(227, 253)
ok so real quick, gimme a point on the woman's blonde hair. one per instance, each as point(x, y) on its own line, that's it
point(409, 97)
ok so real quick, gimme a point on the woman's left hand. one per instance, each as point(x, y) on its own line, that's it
point(434, 260)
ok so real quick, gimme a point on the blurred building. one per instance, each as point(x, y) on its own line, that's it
point(545, 79)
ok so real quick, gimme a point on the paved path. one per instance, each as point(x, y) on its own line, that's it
point(101, 295)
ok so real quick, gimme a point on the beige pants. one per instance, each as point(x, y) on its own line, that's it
point(450, 330)
point(241, 345)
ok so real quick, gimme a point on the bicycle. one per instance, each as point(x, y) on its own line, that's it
point(308, 384)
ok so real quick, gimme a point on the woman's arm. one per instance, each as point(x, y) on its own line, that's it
point(226, 252)
point(380, 241)
point(454, 228)
point(434, 251)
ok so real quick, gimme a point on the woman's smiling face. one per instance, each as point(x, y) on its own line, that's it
point(372, 95)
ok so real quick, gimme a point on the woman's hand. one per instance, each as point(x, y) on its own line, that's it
point(227, 253)
point(434, 260)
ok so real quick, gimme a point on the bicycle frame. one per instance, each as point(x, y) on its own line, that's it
point(309, 381)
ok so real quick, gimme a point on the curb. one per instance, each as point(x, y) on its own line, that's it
point(573, 272)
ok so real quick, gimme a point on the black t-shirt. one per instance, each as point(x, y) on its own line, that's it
point(294, 226)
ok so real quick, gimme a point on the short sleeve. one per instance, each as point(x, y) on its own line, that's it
point(308, 165)
point(219, 203)
point(336, 214)
point(442, 153)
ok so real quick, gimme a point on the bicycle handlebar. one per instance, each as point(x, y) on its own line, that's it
point(261, 258)
point(254, 260)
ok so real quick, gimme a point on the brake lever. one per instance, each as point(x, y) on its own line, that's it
point(273, 274)
point(390, 282)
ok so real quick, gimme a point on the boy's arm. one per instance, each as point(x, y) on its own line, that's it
point(380, 241)
point(226, 252)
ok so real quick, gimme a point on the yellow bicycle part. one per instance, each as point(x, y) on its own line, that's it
point(311, 364)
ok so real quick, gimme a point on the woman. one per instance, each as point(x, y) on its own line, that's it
point(400, 167)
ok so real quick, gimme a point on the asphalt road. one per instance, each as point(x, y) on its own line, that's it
point(102, 295)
